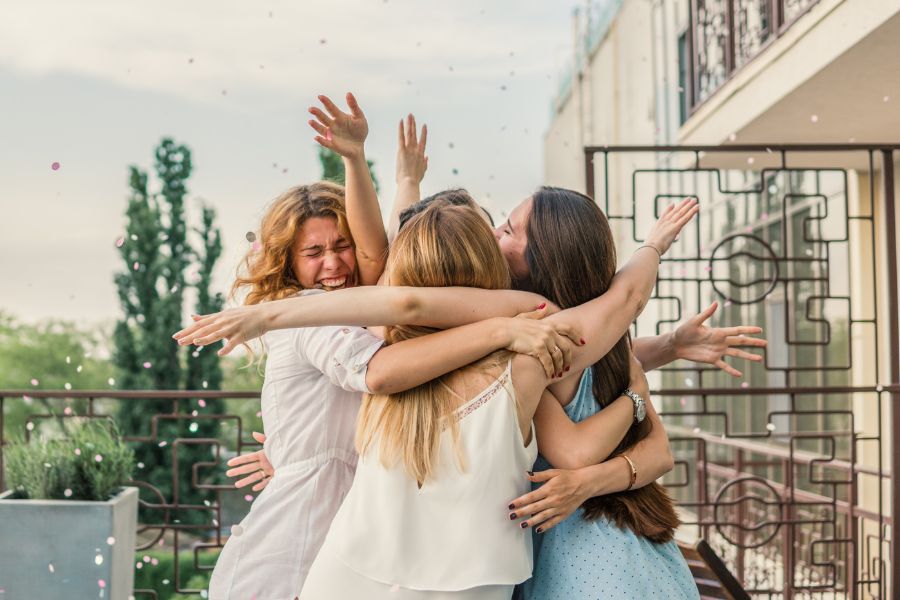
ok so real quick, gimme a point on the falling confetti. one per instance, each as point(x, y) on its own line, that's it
point(29, 426)
point(34, 382)
point(98, 560)
point(77, 451)
point(256, 246)
point(248, 498)
point(194, 413)
point(163, 444)
point(696, 430)
point(101, 583)
point(110, 541)
point(205, 384)
point(68, 386)
point(814, 118)
point(67, 410)
point(745, 385)
point(120, 242)
point(136, 266)
point(148, 364)
point(770, 426)
point(154, 561)
point(78, 369)
point(140, 465)
point(502, 88)
point(51, 568)
point(202, 403)
point(193, 427)
point(688, 381)
point(146, 558)
point(732, 137)
point(67, 493)
point(886, 99)
point(751, 160)
point(55, 166)
point(111, 381)
point(134, 237)
point(251, 237)
point(139, 565)
point(98, 457)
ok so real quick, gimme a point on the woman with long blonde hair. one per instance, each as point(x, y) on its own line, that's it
point(314, 376)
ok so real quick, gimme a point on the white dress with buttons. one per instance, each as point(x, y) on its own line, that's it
point(310, 400)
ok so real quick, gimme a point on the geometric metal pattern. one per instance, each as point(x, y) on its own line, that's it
point(785, 472)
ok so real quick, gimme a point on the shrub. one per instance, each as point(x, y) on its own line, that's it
point(90, 464)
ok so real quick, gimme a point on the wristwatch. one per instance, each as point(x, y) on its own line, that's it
point(640, 407)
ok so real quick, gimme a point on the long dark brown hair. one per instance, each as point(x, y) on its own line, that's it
point(571, 259)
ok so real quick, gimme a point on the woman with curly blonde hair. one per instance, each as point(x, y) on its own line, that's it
point(314, 376)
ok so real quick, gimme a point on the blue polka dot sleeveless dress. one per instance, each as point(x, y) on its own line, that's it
point(588, 560)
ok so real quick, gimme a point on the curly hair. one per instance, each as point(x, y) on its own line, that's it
point(268, 270)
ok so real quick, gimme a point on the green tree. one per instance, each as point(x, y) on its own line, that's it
point(151, 288)
point(333, 167)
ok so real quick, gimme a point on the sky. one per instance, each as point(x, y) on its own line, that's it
point(94, 85)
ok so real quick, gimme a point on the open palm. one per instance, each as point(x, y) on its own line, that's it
point(344, 133)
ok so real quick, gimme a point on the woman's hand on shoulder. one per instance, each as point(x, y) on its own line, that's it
point(670, 224)
point(550, 343)
point(235, 325)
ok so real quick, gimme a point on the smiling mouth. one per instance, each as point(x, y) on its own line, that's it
point(332, 283)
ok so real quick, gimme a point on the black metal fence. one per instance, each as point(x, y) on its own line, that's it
point(787, 473)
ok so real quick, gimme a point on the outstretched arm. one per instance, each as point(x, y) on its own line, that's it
point(605, 319)
point(411, 166)
point(345, 133)
point(441, 308)
point(695, 341)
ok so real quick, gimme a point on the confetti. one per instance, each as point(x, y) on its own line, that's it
point(34, 382)
point(111, 381)
point(120, 242)
point(814, 118)
point(77, 451)
point(193, 427)
point(688, 381)
point(51, 568)
point(745, 385)
point(205, 385)
point(67, 410)
point(202, 403)
point(136, 266)
point(110, 541)
point(750, 160)
point(148, 364)
point(55, 166)
point(47, 465)
point(450, 145)
point(770, 426)
point(146, 558)
point(251, 237)
point(154, 561)
point(204, 594)
point(78, 369)
point(248, 498)
point(98, 457)
point(67, 493)
point(256, 246)
point(163, 444)
point(732, 137)
point(98, 560)
point(194, 413)
point(67, 385)
point(29, 426)
point(140, 465)
point(696, 430)
point(886, 99)
point(134, 237)
point(101, 583)
point(684, 401)
point(165, 582)
point(502, 88)
point(139, 565)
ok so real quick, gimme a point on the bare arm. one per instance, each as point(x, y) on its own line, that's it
point(346, 134)
point(569, 445)
point(411, 166)
point(605, 320)
point(441, 308)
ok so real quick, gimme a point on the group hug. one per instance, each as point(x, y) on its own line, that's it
point(452, 410)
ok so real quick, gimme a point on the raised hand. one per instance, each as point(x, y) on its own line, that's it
point(344, 133)
point(697, 342)
point(253, 467)
point(235, 325)
point(411, 160)
point(670, 224)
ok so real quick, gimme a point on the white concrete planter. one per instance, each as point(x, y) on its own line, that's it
point(59, 549)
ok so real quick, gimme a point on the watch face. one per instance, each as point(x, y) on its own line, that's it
point(640, 411)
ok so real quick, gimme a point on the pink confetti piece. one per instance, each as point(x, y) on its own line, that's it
point(745, 385)
point(34, 382)
point(248, 498)
point(101, 583)
point(67, 410)
point(136, 266)
point(146, 558)
point(77, 451)
point(154, 561)
point(163, 444)
point(139, 565)
point(98, 457)
point(120, 242)
point(202, 403)
point(55, 166)
point(148, 364)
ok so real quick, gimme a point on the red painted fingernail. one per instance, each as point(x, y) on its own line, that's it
point(511, 506)
point(524, 525)
point(567, 369)
point(539, 530)
point(512, 516)
point(541, 305)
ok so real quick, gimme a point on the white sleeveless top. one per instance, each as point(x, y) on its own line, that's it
point(454, 533)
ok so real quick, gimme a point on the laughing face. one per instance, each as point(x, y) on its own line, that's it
point(323, 258)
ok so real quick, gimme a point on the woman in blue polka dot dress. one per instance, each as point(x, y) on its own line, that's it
point(567, 254)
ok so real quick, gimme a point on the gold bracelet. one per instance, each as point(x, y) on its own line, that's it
point(654, 248)
point(633, 472)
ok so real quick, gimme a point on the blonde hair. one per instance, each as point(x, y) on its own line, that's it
point(442, 246)
point(268, 272)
